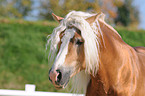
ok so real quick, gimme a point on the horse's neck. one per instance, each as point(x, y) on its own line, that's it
point(110, 57)
point(121, 66)
point(112, 45)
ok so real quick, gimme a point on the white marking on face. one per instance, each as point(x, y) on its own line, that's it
point(60, 58)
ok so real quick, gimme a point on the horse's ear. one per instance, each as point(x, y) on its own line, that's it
point(57, 18)
point(92, 19)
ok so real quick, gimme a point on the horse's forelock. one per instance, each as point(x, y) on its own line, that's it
point(90, 36)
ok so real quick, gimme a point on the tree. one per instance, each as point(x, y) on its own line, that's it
point(127, 14)
point(123, 15)
point(62, 7)
point(46, 8)
point(15, 8)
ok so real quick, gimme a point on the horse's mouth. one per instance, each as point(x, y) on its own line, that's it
point(62, 86)
point(59, 88)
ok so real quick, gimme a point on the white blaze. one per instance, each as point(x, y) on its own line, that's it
point(60, 58)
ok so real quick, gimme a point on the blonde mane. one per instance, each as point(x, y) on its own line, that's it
point(90, 34)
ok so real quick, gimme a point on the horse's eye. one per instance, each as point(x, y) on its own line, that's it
point(79, 42)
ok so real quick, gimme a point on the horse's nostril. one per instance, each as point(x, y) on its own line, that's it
point(59, 75)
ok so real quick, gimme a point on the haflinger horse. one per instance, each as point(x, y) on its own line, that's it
point(84, 46)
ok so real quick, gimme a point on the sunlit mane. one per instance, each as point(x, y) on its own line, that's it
point(90, 34)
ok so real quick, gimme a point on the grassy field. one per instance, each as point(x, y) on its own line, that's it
point(23, 58)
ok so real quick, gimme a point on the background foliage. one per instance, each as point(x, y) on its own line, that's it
point(15, 8)
point(121, 12)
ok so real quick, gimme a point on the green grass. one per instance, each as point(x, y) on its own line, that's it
point(23, 58)
point(133, 37)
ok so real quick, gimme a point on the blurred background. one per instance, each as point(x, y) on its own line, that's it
point(25, 24)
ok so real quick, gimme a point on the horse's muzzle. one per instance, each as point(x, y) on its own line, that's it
point(59, 77)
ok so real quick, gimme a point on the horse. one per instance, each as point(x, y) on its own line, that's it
point(85, 47)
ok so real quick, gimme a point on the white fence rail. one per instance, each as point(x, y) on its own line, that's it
point(30, 91)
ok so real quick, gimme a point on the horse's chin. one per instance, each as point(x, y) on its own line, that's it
point(58, 87)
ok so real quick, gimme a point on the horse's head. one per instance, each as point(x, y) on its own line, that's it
point(72, 46)
point(70, 57)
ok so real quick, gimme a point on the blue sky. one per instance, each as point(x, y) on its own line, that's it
point(141, 6)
